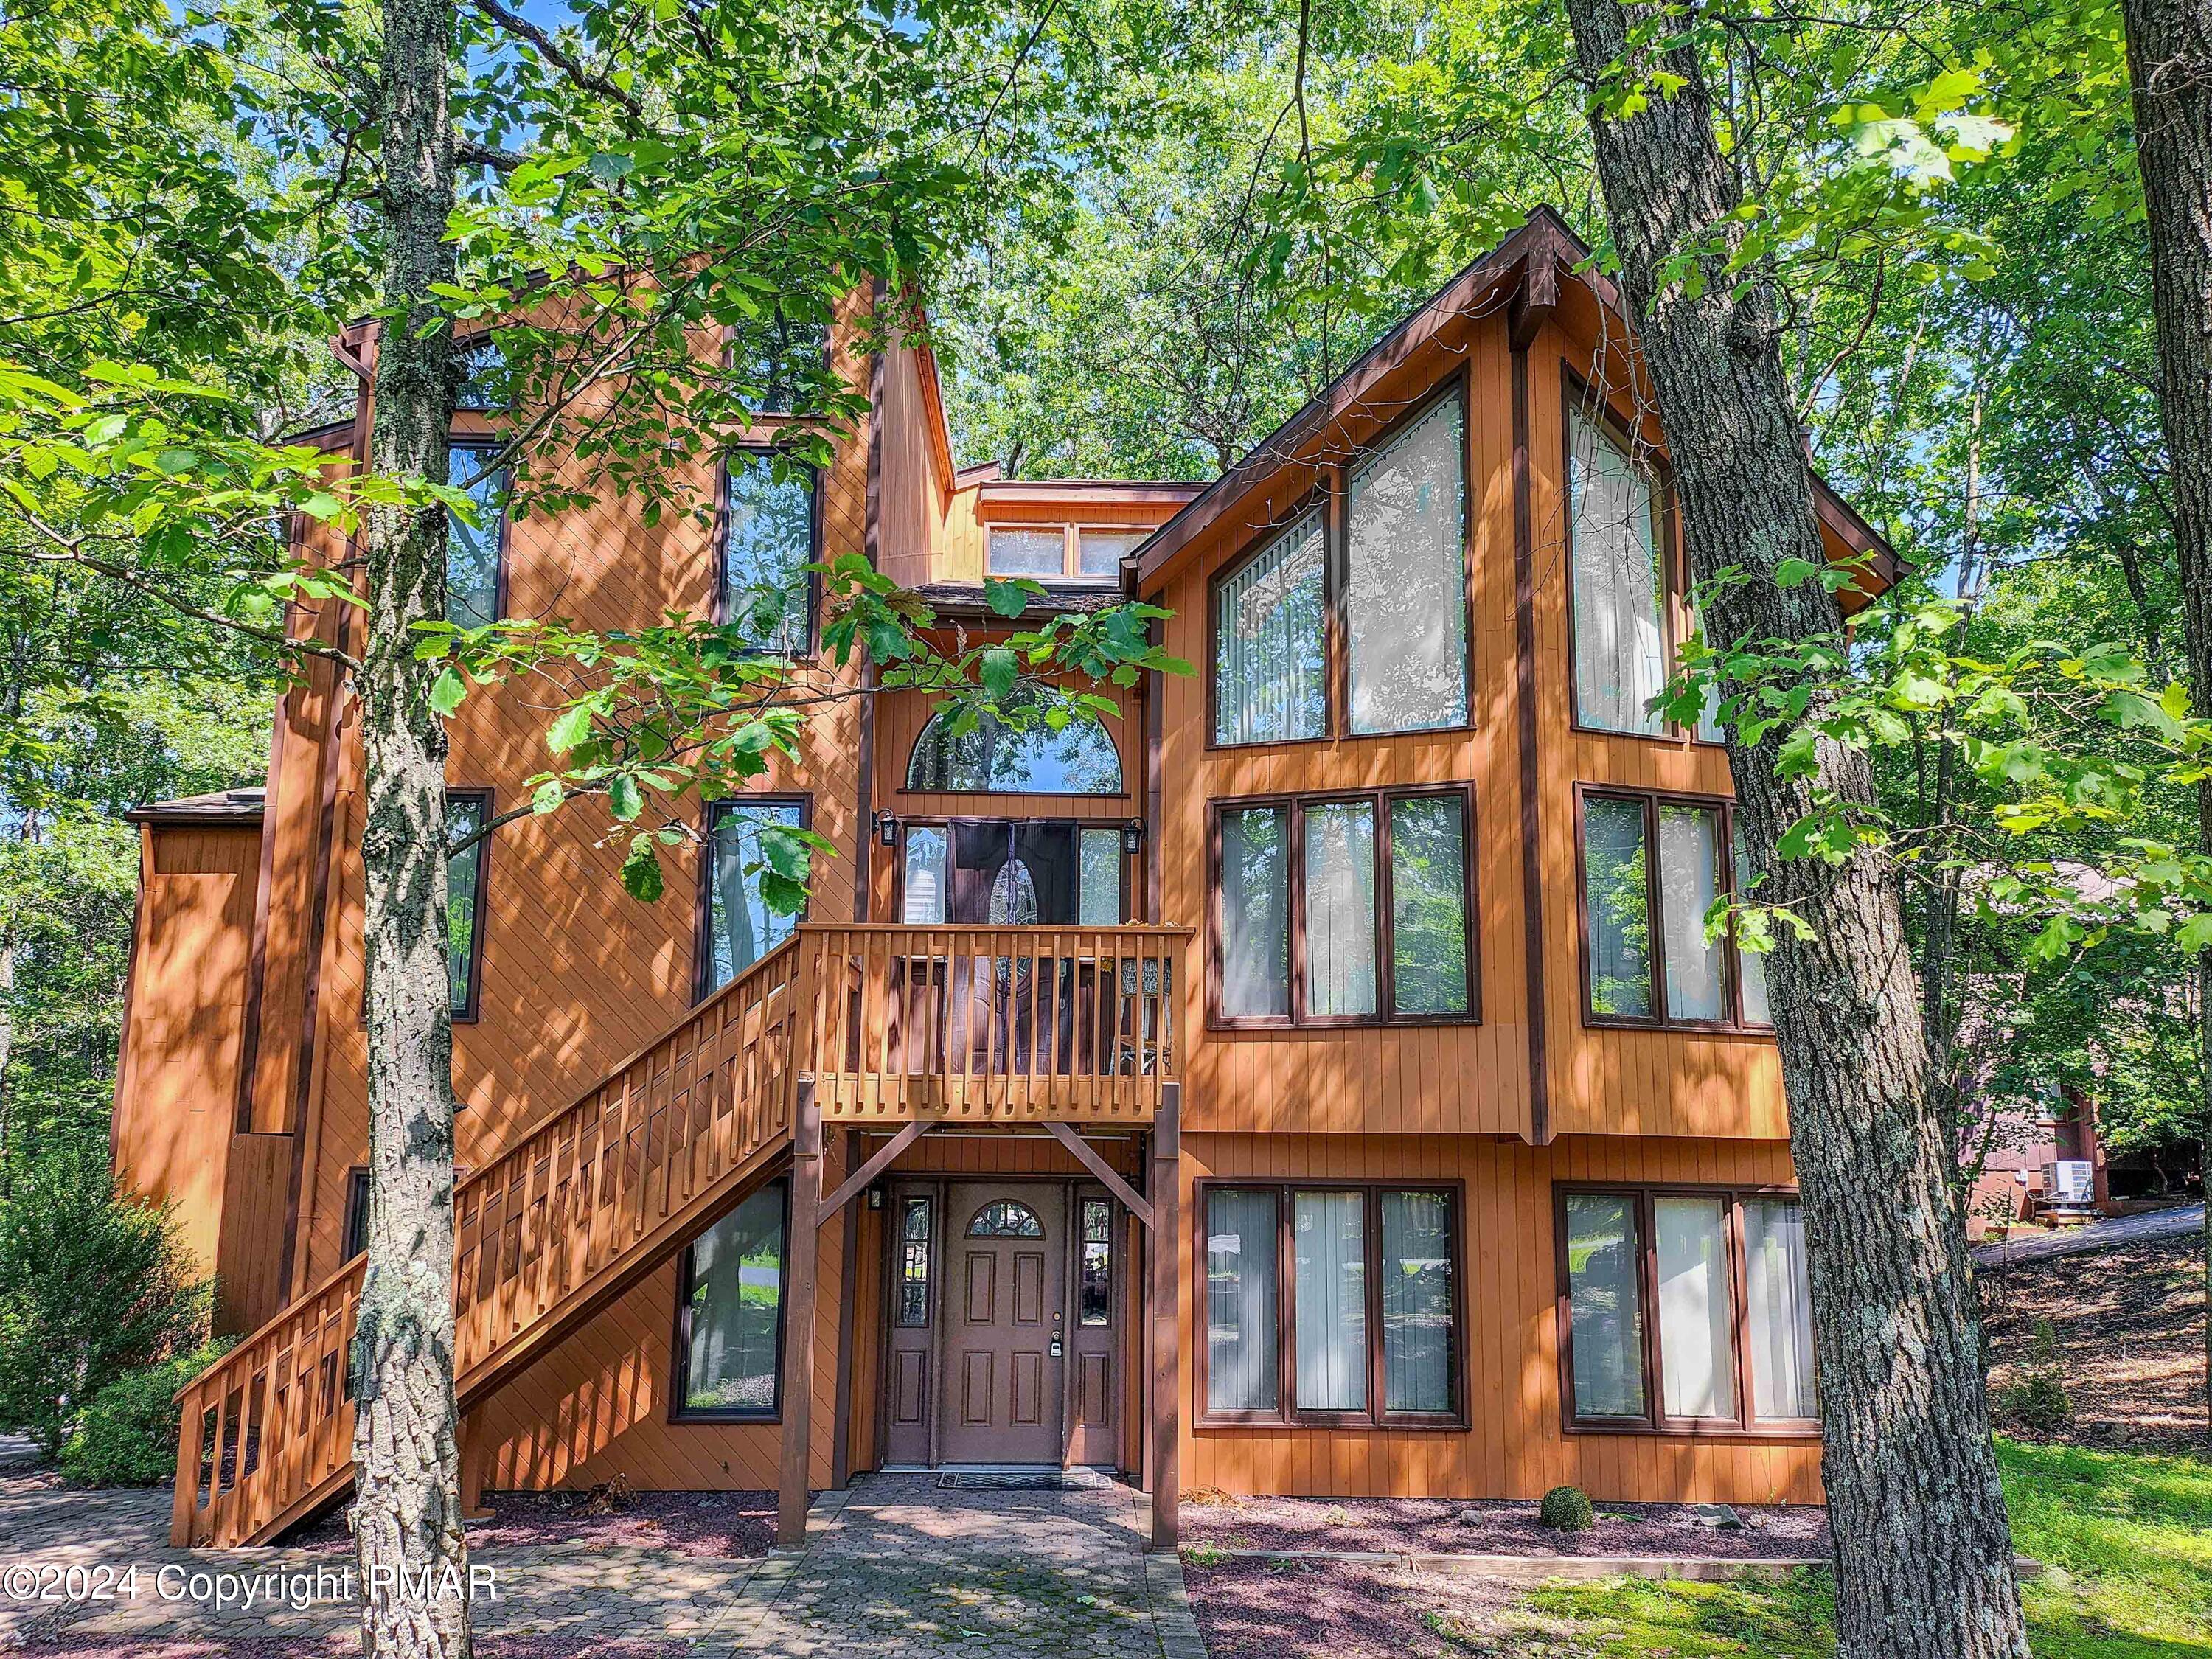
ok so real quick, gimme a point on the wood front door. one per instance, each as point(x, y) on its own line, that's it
point(1005, 1324)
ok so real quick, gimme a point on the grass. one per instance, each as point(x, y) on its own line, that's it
point(2125, 1541)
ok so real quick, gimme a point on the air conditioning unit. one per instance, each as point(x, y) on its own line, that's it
point(2069, 1183)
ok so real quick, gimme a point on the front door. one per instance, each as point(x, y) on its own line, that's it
point(1004, 1323)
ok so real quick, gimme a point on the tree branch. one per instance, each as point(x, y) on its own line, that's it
point(559, 55)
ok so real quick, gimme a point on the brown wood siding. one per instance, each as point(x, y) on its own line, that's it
point(575, 975)
point(1613, 1081)
point(1515, 1446)
point(1408, 1079)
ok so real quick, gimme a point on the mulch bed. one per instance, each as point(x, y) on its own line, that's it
point(734, 1526)
point(1251, 1609)
point(1420, 1526)
point(2129, 1323)
point(345, 1645)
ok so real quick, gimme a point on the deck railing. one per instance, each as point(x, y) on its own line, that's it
point(999, 1024)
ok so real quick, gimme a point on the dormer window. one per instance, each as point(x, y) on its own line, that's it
point(1060, 552)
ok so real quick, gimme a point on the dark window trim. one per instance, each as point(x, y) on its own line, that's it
point(679, 1369)
point(1294, 806)
point(721, 607)
point(1331, 492)
point(1579, 395)
point(702, 910)
point(472, 1008)
point(1287, 1412)
point(940, 821)
point(463, 346)
point(353, 1239)
point(477, 444)
point(906, 785)
point(1743, 1426)
point(1731, 959)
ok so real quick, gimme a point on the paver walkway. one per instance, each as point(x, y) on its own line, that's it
point(897, 1566)
point(2096, 1236)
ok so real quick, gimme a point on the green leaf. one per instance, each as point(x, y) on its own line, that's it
point(640, 872)
point(446, 692)
point(998, 671)
point(1005, 599)
point(569, 728)
point(548, 797)
point(624, 798)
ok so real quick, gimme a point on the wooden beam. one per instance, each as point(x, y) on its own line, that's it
point(849, 1279)
point(1087, 1156)
point(798, 1389)
point(1166, 1321)
point(858, 1181)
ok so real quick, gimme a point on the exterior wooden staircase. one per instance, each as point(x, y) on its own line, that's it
point(883, 1025)
point(582, 1207)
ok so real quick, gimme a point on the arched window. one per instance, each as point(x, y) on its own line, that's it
point(1032, 759)
point(1005, 1218)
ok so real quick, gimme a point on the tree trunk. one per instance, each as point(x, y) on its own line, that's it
point(2169, 58)
point(1923, 1552)
point(407, 1510)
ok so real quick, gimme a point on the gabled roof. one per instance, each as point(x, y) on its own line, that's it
point(1543, 253)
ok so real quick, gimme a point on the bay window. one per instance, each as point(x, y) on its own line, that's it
point(1683, 1306)
point(1331, 1303)
point(1354, 621)
point(1652, 866)
point(1343, 909)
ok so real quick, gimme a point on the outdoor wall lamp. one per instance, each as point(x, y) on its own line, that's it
point(887, 829)
point(1133, 836)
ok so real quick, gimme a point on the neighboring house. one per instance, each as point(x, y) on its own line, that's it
point(2048, 1163)
point(1329, 1086)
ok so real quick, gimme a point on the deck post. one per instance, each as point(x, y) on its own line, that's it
point(798, 1382)
point(1167, 1320)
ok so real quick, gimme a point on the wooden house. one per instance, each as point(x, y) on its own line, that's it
point(1316, 1079)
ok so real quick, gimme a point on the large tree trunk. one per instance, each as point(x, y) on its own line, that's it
point(2169, 60)
point(1924, 1553)
point(407, 1512)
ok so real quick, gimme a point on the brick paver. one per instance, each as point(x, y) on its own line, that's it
point(896, 1567)
point(901, 1568)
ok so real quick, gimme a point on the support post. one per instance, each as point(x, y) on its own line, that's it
point(798, 1384)
point(475, 1456)
point(1167, 1321)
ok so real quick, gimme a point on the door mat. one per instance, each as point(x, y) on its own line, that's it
point(1022, 1481)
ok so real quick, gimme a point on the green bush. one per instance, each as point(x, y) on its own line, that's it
point(2038, 1402)
point(128, 1435)
point(1566, 1509)
point(93, 1285)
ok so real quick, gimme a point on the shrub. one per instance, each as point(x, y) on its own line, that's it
point(93, 1285)
point(127, 1435)
point(1566, 1509)
point(2038, 1402)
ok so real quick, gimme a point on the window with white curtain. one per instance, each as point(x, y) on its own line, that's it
point(1652, 868)
point(1270, 660)
point(1242, 1373)
point(1329, 1267)
point(1696, 1309)
point(1253, 884)
point(1405, 577)
point(1778, 1305)
point(1339, 909)
point(1751, 965)
point(1372, 1302)
point(1378, 885)
point(1655, 1281)
point(1616, 581)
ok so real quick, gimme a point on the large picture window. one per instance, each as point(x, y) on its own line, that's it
point(1682, 1307)
point(1343, 909)
point(1355, 622)
point(729, 1337)
point(1334, 1303)
point(1652, 866)
point(739, 928)
point(769, 512)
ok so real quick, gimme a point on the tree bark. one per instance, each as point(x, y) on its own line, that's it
point(407, 1508)
point(1923, 1551)
point(2170, 66)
